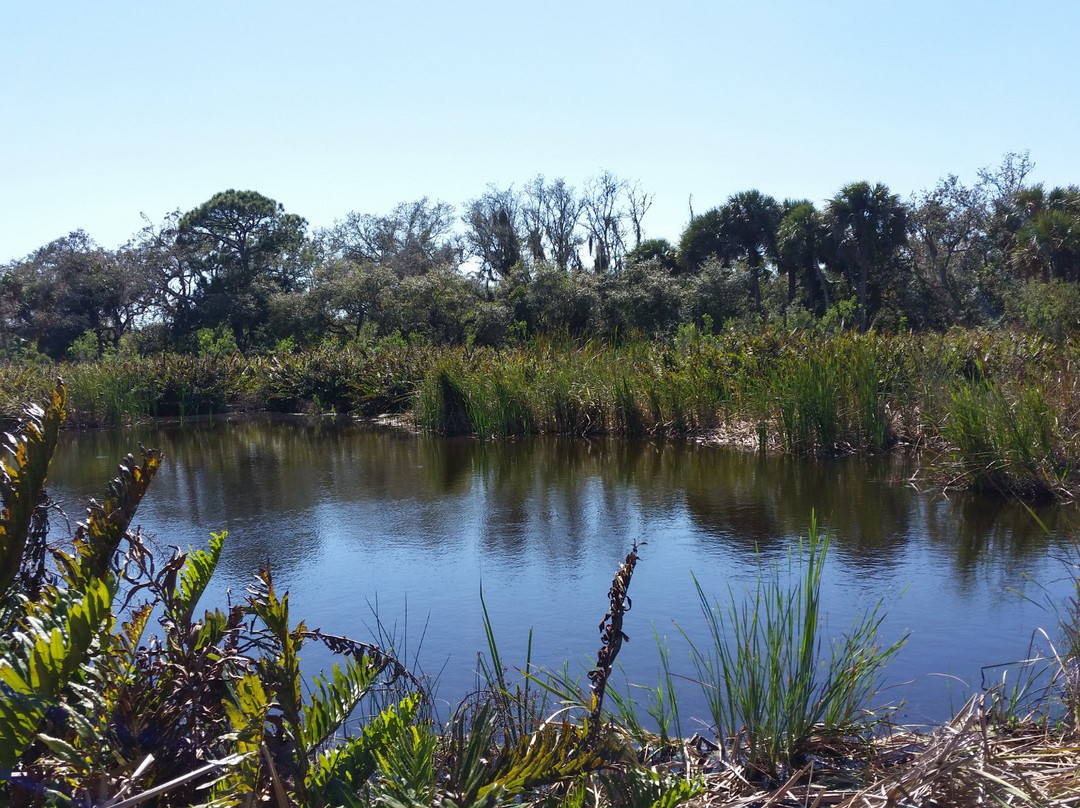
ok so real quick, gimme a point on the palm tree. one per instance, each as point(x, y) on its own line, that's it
point(801, 248)
point(748, 223)
point(1042, 232)
point(869, 226)
point(1049, 243)
point(701, 241)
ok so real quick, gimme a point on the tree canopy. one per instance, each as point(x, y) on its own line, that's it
point(550, 257)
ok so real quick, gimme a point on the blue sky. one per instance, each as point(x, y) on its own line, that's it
point(114, 109)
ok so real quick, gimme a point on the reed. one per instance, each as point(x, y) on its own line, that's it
point(1002, 405)
point(108, 394)
point(1005, 444)
point(867, 386)
point(442, 404)
point(806, 391)
point(770, 678)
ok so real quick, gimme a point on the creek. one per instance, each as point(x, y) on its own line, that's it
point(367, 527)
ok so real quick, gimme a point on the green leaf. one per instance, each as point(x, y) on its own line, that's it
point(32, 683)
point(246, 710)
point(334, 697)
point(22, 478)
point(98, 538)
point(554, 752)
point(63, 750)
point(194, 578)
point(355, 760)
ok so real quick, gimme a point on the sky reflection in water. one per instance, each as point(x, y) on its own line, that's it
point(358, 523)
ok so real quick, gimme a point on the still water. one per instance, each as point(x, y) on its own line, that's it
point(364, 526)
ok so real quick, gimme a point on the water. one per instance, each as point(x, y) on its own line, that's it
point(365, 526)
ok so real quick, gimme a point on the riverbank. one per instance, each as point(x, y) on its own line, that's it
point(1000, 407)
point(972, 760)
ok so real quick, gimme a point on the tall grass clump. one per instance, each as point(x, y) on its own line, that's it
point(629, 417)
point(442, 404)
point(1007, 444)
point(829, 397)
point(108, 393)
point(501, 401)
point(865, 374)
point(807, 395)
point(772, 681)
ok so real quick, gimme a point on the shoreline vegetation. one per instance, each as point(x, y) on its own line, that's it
point(118, 688)
point(996, 411)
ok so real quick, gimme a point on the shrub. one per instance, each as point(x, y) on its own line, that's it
point(1050, 309)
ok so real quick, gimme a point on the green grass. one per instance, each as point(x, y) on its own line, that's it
point(1000, 408)
point(1008, 444)
point(771, 678)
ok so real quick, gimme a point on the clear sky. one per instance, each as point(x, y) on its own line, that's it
point(113, 109)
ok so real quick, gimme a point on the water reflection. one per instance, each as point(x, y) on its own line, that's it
point(345, 513)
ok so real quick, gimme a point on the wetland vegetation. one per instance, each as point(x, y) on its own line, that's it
point(996, 411)
point(945, 322)
point(945, 325)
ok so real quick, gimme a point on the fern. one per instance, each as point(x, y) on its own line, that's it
point(98, 538)
point(647, 788)
point(32, 681)
point(355, 760)
point(334, 698)
point(554, 752)
point(246, 709)
point(407, 770)
point(195, 575)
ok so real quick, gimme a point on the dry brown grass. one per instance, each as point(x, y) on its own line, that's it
point(969, 761)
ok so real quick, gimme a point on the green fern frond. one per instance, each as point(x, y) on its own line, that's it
point(553, 753)
point(32, 681)
point(334, 697)
point(98, 538)
point(281, 668)
point(246, 710)
point(22, 479)
point(407, 769)
point(355, 760)
point(195, 576)
point(638, 787)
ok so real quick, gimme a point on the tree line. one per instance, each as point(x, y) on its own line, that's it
point(240, 273)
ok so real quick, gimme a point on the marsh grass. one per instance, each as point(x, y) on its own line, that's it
point(663, 738)
point(1045, 688)
point(1003, 406)
point(806, 392)
point(1070, 629)
point(442, 402)
point(520, 707)
point(829, 401)
point(109, 394)
point(1007, 444)
point(629, 417)
point(772, 681)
